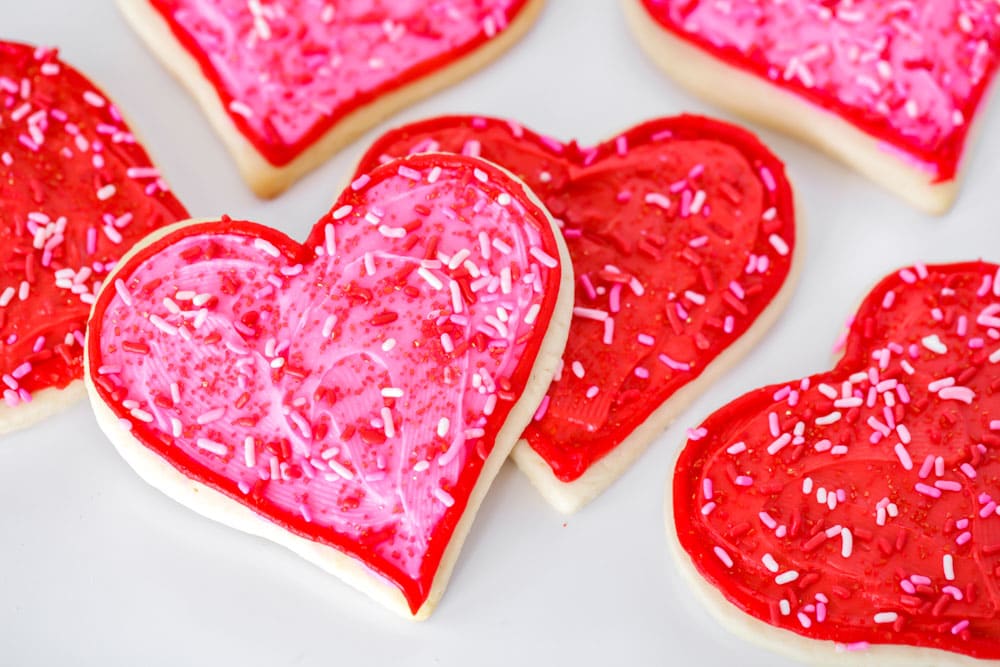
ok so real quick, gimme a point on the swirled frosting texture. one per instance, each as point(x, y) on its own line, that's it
point(76, 191)
point(911, 74)
point(860, 505)
point(349, 389)
point(288, 71)
point(681, 232)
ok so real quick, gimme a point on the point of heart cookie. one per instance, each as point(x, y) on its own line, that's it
point(287, 85)
point(351, 397)
point(859, 506)
point(684, 241)
point(76, 190)
point(894, 90)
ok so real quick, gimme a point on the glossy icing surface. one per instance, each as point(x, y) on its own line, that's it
point(680, 231)
point(860, 505)
point(349, 389)
point(286, 72)
point(912, 74)
point(76, 191)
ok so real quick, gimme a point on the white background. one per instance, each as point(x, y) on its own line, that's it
point(97, 568)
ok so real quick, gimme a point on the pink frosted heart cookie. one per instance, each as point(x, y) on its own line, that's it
point(353, 397)
point(891, 88)
point(851, 517)
point(76, 190)
point(287, 84)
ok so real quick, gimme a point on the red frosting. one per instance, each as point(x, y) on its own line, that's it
point(681, 232)
point(348, 389)
point(860, 505)
point(76, 191)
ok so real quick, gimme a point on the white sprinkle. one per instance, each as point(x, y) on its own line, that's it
point(392, 392)
point(786, 577)
point(770, 563)
point(934, 344)
point(779, 244)
point(847, 547)
point(543, 257)
point(266, 246)
point(948, 563)
point(444, 497)
point(431, 279)
point(443, 425)
point(249, 452)
point(886, 617)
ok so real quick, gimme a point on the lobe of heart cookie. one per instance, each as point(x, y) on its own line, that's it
point(860, 505)
point(288, 72)
point(911, 75)
point(76, 191)
point(681, 231)
point(354, 390)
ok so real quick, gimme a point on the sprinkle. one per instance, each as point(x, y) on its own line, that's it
point(786, 577)
point(249, 452)
point(847, 546)
point(444, 497)
point(927, 490)
point(212, 446)
point(884, 617)
point(948, 564)
point(934, 344)
point(211, 416)
point(590, 313)
point(266, 247)
point(963, 394)
point(543, 257)
point(721, 554)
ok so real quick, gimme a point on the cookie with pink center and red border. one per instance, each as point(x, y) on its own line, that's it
point(352, 397)
point(852, 516)
point(683, 237)
point(893, 89)
point(287, 84)
point(76, 191)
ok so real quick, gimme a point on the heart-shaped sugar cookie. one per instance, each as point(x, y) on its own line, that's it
point(891, 88)
point(287, 84)
point(859, 506)
point(76, 191)
point(351, 398)
point(683, 238)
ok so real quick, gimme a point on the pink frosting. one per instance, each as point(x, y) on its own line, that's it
point(912, 72)
point(284, 69)
point(351, 390)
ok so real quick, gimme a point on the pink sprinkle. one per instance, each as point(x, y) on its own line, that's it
point(641, 373)
point(959, 627)
point(768, 179)
point(926, 490)
point(674, 364)
point(542, 409)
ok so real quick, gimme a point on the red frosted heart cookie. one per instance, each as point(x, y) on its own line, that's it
point(891, 88)
point(859, 506)
point(682, 234)
point(351, 398)
point(76, 191)
point(287, 84)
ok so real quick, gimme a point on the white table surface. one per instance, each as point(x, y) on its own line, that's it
point(97, 568)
